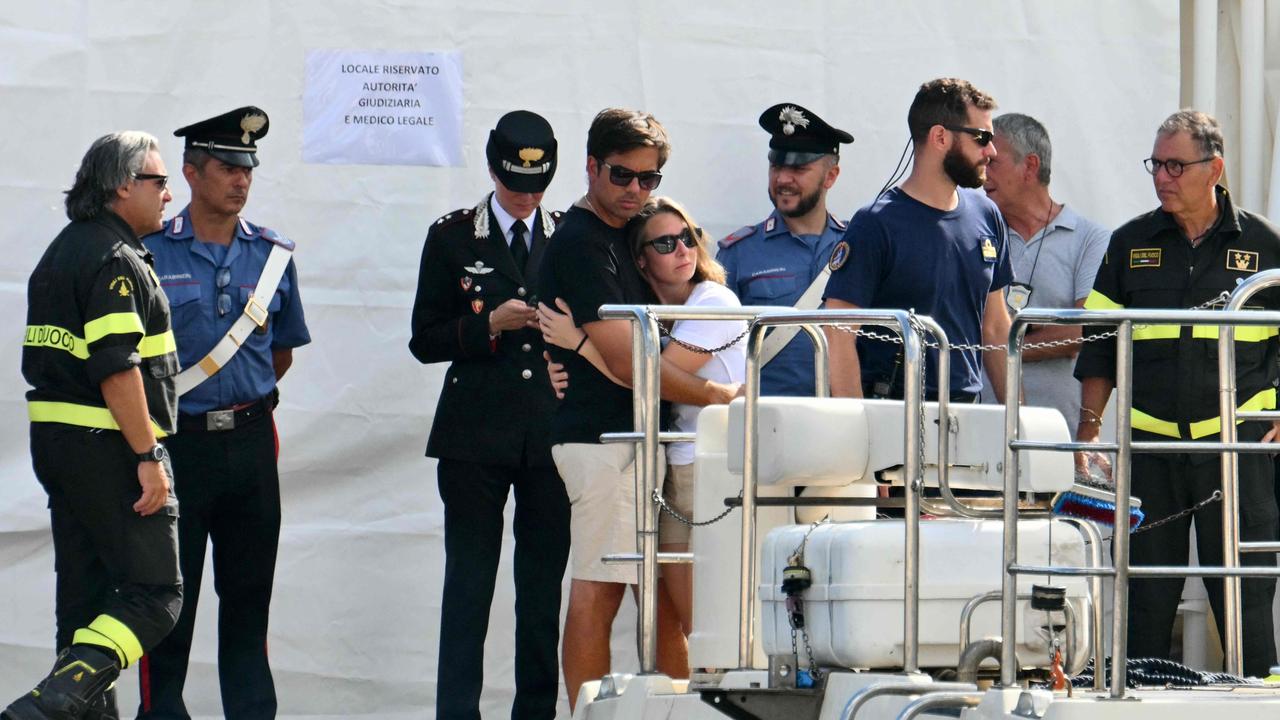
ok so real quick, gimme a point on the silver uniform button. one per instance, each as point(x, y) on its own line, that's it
point(521, 292)
point(526, 374)
point(455, 381)
point(526, 347)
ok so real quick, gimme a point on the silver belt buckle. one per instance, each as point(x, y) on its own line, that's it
point(216, 420)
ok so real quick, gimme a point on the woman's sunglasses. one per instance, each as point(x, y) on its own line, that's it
point(666, 244)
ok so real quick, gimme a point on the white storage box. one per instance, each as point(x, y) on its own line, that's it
point(853, 610)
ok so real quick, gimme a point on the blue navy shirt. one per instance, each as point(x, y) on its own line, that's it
point(906, 255)
point(766, 264)
point(188, 271)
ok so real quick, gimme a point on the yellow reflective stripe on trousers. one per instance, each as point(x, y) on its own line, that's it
point(52, 336)
point(113, 324)
point(108, 632)
point(153, 345)
point(1098, 301)
point(1264, 400)
point(79, 415)
point(1201, 332)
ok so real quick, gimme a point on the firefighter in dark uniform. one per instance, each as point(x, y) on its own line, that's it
point(100, 357)
point(232, 286)
point(475, 310)
point(1184, 254)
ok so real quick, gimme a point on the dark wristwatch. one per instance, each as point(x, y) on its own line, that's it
point(157, 453)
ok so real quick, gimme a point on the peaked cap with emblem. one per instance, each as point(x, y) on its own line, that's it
point(799, 136)
point(231, 137)
point(522, 151)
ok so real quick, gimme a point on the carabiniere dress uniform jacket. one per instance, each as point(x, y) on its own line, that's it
point(497, 401)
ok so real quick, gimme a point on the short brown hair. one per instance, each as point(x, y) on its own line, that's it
point(945, 101)
point(616, 130)
point(706, 267)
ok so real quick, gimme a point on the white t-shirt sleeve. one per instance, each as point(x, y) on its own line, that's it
point(709, 333)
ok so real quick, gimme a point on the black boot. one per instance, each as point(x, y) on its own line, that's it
point(79, 679)
point(104, 707)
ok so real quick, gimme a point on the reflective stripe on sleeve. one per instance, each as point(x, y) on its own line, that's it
point(153, 345)
point(52, 336)
point(79, 415)
point(1098, 301)
point(121, 323)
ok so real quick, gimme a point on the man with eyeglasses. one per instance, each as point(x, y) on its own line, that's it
point(1196, 245)
point(237, 317)
point(934, 244)
point(490, 432)
point(588, 263)
point(779, 260)
point(1054, 252)
point(99, 355)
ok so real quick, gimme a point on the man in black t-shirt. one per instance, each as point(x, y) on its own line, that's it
point(588, 264)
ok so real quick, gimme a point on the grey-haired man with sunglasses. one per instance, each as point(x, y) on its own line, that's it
point(1055, 253)
point(237, 316)
point(1196, 245)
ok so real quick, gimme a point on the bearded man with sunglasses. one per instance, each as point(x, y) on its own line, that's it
point(781, 259)
point(237, 317)
point(935, 244)
point(588, 263)
point(1196, 245)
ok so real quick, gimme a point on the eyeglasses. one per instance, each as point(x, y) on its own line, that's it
point(164, 179)
point(980, 136)
point(622, 176)
point(222, 280)
point(1175, 168)
point(666, 244)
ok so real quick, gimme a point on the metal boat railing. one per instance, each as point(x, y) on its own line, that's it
point(646, 372)
point(1122, 571)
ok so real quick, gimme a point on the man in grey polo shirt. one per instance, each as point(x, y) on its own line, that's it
point(1055, 254)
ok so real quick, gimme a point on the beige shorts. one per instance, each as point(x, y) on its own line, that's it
point(678, 492)
point(601, 484)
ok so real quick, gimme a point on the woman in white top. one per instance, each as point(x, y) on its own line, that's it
point(671, 252)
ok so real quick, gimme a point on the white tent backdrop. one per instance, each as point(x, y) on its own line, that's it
point(354, 625)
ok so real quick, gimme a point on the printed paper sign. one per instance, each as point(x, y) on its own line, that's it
point(382, 108)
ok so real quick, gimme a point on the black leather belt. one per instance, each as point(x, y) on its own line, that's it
point(228, 418)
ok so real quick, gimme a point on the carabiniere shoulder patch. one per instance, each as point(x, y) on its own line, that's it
point(839, 255)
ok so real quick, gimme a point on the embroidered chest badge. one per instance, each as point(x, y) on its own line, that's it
point(988, 250)
point(1144, 257)
point(1242, 260)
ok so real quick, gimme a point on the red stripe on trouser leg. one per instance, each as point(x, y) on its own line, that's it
point(144, 682)
point(275, 435)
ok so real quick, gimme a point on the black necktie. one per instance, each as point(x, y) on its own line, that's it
point(519, 248)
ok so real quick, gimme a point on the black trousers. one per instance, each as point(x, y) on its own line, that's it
point(108, 559)
point(1169, 483)
point(229, 490)
point(474, 496)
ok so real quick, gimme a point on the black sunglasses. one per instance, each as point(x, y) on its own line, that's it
point(164, 179)
point(980, 136)
point(666, 244)
point(1173, 167)
point(622, 176)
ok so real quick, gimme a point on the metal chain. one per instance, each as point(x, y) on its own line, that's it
point(694, 348)
point(814, 671)
point(1216, 496)
point(662, 503)
point(1217, 301)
